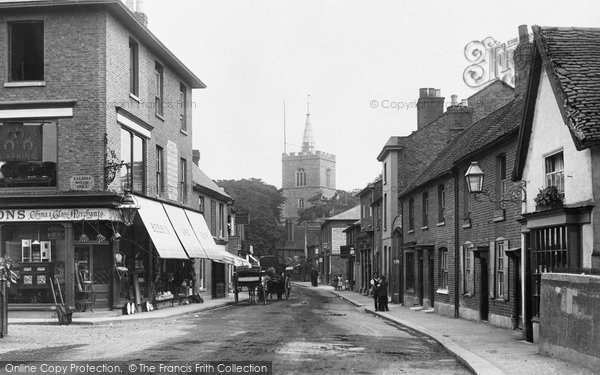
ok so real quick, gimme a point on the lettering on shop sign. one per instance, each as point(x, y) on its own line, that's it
point(160, 228)
point(59, 214)
point(82, 183)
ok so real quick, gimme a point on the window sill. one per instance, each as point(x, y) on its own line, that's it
point(466, 223)
point(425, 227)
point(135, 97)
point(441, 224)
point(499, 215)
point(183, 132)
point(442, 291)
point(411, 231)
point(467, 295)
point(160, 117)
point(25, 84)
point(499, 299)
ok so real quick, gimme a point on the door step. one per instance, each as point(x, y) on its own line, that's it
point(416, 308)
point(428, 311)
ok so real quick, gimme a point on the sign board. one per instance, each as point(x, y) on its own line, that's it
point(82, 182)
point(59, 214)
point(172, 171)
point(338, 239)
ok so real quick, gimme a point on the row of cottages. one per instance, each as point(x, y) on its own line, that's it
point(93, 105)
point(404, 157)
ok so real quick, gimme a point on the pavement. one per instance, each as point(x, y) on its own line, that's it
point(109, 316)
point(482, 348)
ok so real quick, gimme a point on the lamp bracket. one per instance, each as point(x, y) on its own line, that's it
point(513, 192)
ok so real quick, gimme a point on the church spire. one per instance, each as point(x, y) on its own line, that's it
point(308, 143)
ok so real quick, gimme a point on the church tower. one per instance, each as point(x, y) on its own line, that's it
point(306, 173)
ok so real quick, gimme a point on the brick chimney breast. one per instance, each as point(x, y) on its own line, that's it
point(430, 106)
point(523, 57)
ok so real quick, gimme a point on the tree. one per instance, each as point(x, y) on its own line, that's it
point(262, 202)
point(320, 207)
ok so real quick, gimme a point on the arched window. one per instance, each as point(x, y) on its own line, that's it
point(300, 177)
point(328, 177)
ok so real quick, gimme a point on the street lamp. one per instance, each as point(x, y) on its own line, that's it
point(128, 207)
point(515, 192)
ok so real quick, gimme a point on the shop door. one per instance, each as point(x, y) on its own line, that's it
point(218, 280)
point(98, 260)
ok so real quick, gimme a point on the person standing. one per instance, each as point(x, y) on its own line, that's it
point(382, 293)
point(374, 289)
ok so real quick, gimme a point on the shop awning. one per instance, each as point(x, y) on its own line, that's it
point(236, 260)
point(159, 228)
point(200, 227)
point(184, 231)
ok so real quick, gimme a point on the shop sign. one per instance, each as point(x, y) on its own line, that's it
point(172, 172)
point(82, 182)
point(59, 214)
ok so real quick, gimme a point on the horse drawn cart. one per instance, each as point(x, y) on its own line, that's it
point(262, 282)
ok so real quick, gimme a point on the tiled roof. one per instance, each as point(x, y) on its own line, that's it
point(351, 214)
point(200, 178)
point(572, 58)
point(488, 130)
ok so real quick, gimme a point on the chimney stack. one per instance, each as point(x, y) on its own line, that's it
point(196, 157)
point(430, 106)
point(523, 57)
point(453, 99)
point(139, 13)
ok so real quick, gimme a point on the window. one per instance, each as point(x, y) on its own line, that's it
point(213, 217)
point(441, 203)
point(328, 177)
point(385, 207)
point(133, 155)
point(385, 173)
point(183, 180)
point(26, 51)
point(201, 204)
point(300, 202)
point(555, 169)
point(500, 178)
point(160, 179)
point(158, 86)
point(466, 202)
point(183, 106)
point(28, 154)
point(221, 220)
point(443, 276)
point(411, 214)
point(499, 260)
point(410, 271)
point(300, 177)
point(425, 208)
point(467, 268)
point(134, 75)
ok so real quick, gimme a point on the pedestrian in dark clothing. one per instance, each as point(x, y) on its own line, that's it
point(382, 293)
point(374, 289)
point(314, 277)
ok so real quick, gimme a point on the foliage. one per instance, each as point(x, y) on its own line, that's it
point(320, 207)
point(262, 202)
point(547, 196)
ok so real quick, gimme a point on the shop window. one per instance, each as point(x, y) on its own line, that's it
point(134, 75)
point(28, 154)
point(555, 170)
point(133, 171)
point(26, 51)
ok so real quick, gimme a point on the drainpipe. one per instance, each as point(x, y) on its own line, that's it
point(456, 245)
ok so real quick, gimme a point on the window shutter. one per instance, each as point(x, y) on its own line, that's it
point(471, 280)
point(506, 272)
point(492, 269)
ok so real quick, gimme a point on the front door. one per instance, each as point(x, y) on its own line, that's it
point(97, 258)
point(431, 282)
point(484, 290)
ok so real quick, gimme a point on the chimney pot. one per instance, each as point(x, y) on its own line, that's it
point(454, 99)
point(422, 93)
point(432, 92)
point(438, 93)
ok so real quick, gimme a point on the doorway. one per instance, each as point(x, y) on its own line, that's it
point(97, 258)
point(420, 279)
point(431, 281)
point(484, 290)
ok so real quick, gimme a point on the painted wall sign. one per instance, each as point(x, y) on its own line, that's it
point(82, 182)
point(338, 239)
point(59, 214)
point(172, 170)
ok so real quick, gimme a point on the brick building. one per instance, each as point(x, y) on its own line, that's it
point(332, 238)
point(93, 103)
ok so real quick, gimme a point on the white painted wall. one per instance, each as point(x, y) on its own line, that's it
point(549, 134)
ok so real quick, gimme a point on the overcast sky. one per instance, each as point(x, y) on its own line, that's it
point(350, 56)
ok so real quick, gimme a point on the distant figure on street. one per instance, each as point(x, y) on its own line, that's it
point(340, 281)
point(314, 277)
point(382, 293)
point(374, 287)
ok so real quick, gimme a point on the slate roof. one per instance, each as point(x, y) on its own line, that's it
point(571, 56)
point(503, 122)
point(200, 178)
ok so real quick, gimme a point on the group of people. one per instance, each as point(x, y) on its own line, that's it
point(338, 282)
point(379, 290)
